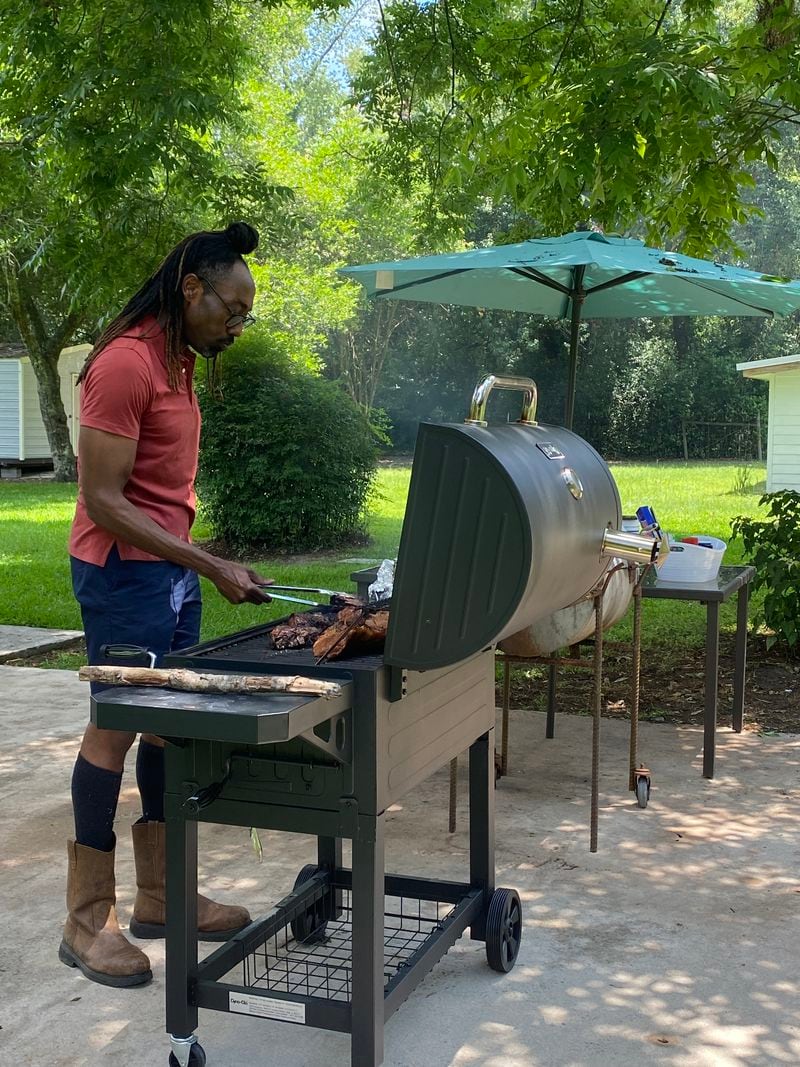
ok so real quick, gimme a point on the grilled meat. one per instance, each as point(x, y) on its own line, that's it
point(300, 630)
point(356, 630)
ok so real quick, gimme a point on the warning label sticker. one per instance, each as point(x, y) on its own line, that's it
point(266, 1007)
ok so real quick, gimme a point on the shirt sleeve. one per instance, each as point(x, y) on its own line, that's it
point(116, 392)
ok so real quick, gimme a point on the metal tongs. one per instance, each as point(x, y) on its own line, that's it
point(268, 589)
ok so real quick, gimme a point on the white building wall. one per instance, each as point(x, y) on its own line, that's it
point(9, 408)
point(784, 432)
point(70, 365)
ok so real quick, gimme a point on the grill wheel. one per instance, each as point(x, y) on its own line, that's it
point(503, 930)
point(310, 925)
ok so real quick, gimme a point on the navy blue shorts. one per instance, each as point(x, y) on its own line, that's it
point(154, 604)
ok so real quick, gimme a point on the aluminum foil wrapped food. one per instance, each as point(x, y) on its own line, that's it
point(381, 588)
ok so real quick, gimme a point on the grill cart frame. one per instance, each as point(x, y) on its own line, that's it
point(327, 767)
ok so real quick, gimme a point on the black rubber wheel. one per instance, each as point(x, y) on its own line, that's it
point(197, 1057)
point(642, 792)
point(503, 930)
point(310, 926)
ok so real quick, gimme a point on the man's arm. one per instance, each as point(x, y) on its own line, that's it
point(106, 462)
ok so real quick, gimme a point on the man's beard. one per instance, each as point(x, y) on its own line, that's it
point(215, 349)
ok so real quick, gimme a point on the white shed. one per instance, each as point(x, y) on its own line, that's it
point(23, 440)
point(783, 429)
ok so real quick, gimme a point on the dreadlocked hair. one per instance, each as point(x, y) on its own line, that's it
point(210, 253)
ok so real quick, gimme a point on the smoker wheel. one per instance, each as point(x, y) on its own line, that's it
point(310, 926)
point(642, 791)
point(503, 930)
point(197, 1057)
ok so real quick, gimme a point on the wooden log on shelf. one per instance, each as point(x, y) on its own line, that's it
point(194, 682)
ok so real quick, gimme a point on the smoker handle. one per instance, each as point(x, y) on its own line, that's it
point(477, 408)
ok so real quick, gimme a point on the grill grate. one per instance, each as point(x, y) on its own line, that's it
point(254, 648)
point(323, 969)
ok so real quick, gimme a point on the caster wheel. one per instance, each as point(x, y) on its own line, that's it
point(503, 930)
point(642, 791)
point(310, 926)
point(197, 1057)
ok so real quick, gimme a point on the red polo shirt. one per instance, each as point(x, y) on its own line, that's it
point(126, 392)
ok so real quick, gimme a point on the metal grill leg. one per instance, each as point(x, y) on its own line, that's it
point(451, 818)
point(598, 696)
point(329, 855)
point(181, 926)
point(506, 702)
point(368, 904)
point(552, 675)
point(636, 674)
point(481, 824)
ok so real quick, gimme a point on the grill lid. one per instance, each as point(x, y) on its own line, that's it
point(503, 526)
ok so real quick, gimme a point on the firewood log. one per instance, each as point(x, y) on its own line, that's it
point(194, 682)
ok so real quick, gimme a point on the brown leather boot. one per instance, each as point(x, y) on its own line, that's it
point(215, 922)
point(92, 939)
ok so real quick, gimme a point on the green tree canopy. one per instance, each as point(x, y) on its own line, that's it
point(122, 126)
point(644, 115)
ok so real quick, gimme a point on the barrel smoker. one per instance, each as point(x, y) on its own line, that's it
point(504, 525)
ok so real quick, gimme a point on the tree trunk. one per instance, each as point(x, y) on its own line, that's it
point(48, 386)
point(44, 349)
point(683, 336)
point(358, 355)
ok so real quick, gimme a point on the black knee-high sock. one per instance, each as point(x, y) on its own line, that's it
point(95, 792)
point(150, 779)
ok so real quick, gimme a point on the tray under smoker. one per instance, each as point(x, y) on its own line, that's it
point(322, 967)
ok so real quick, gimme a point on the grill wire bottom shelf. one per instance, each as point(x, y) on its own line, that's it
point(323, 968)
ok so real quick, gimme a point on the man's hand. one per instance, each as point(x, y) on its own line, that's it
point(239, 584)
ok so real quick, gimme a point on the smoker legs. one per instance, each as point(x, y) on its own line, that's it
point(181, 932)
point(367, 1004)
point(329, 856)
point(481, 823)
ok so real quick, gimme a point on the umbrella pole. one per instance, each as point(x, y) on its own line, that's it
point(577, 296)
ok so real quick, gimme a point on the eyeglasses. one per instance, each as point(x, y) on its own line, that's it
point(235, 319)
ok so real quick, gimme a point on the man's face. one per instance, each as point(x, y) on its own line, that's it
point(206, 310)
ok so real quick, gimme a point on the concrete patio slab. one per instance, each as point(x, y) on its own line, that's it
point(18, 641)
point(676, 944)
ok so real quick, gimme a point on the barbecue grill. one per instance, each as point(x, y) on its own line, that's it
point(504, 525)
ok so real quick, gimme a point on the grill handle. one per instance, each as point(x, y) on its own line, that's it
point(527, 386)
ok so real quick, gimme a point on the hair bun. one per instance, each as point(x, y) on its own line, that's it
point(242, 237)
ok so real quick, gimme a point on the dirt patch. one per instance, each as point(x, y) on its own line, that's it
point(672, 686)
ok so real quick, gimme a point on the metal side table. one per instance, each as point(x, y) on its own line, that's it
point(730, 580)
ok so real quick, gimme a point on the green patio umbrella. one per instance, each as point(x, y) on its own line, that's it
point(580, 275)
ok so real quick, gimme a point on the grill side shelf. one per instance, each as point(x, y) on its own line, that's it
point(248, 719)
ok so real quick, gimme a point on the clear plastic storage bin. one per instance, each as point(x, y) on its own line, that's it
point(692, 563)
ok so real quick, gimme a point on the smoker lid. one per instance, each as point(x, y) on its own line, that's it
point(465, 550)
point(503, 526)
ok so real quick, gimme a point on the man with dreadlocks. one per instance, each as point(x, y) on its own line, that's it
point(134, 570)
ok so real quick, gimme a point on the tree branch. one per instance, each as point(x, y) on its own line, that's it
point(661, 17)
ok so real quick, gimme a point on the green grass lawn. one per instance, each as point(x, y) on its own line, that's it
point(35, 517)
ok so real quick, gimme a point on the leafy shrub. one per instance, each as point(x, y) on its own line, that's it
point(286, 459)
point(773, 546)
